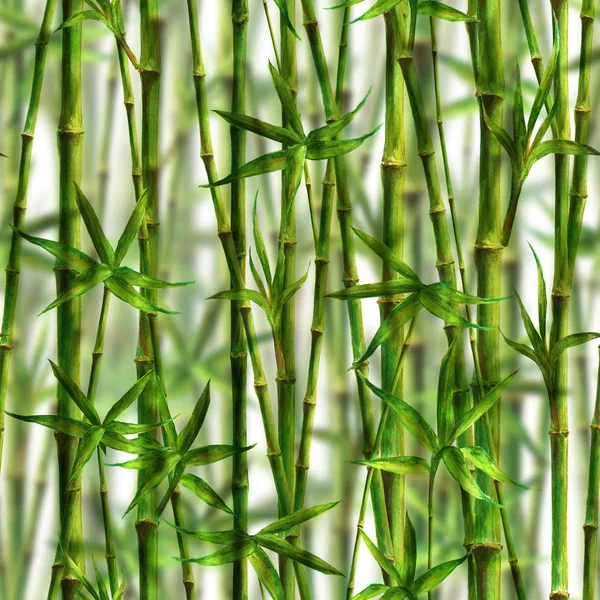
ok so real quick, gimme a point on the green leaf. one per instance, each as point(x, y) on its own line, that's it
point(504, 138)
point(144, 281)
point(398, 317)
point(100, 582)
point(397, 593)
point(232, 553)
point(85, 450)
point(575, 339)
point(392, 287)
point(169, 431)
point(202, 490)
point(267, 163)
point(438, 307)
point(244, 295)
point(408, 416)
point(261, 249)
point(568, 147)
point(541, 132)
point(445, 393)
point(144, 461)
point(528, 353)
point(128, 294)
point(293, 171)
point(288, 293)
point(75, 393)
point(436, 575)
point(79, 574)
point(211, 454)
point(287, 101)
point(283, 11)
point(92, 223)
point(190, 431)
point(544, 88)
point(131, 229)
point(122, 428)
point(333, 148)
point(83, 283)
point(329, 131)
point(66, 425)
point(380, 7)
point(116, 441)
point(519, 127)
point(85, 15)
point(267, 574)
point(539, 345)
point(272, 132)
point(482, 461)
point(542, 295)
point(443, 11)
point(457, 297)
point(375, 589)
point(387, 255)
point(297, 518)
point(480, 408)
point(401, 465)
point(72, 257)
point(409, 564)
point(128, 398)
point(380, 557)
point(213, 537)
point(257, 278)
point(284, 548)
point(457, 467)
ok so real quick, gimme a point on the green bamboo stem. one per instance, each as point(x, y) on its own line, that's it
point(560, 316)
point(393, 177)
point(20, 205)
point(590, 527)
point(579, 192)
point(350, 273)
point(225, 236)
point(370, 472)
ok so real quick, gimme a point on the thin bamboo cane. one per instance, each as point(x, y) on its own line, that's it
point(239, 354)
point(20, 205)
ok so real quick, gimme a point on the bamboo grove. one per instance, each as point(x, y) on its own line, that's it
point(317, 287)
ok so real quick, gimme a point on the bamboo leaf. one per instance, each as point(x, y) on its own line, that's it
point(66, 425)
point(575, 339)
point(457, 467)
point(445, 393)
point(79, 574)
point(397, 593)
point(380, 7)
point(539, 345)
point(83, 283)
point(401, 465)
point(507, 143)
point(527, 352)
point(145, 461)
point(408, 416)
point(380, 557)
point(261, 249)
point(557, 147)
point(272, 132)
point(257, 278)
point(72, 257)
point(128, 398)
point(391, 287)
point(234, 552)
point(457, 297)
point(85, 15)
point(482, 461)
point(131, 229)
point(136, 446)
point(283, 11)
point(75, 393)
point(375, 589)
point(190, 431)
point(169, 431)
point(266, 573)
point(387, 255)
point(202, 490)
point(288, 293)
point(144, 281)
point(92, 223)
point(409, 564)
point(287, 101)
point(284, 548)
point(122, 428)
point(244, 295)
point(436, 575)
point(128, 294)
point(438, 307)
point(480, 408)
point(519, 126)
point(211, 454)
point(85, 450)
point(443, 11)
point(213, 537)
point(541, 132)
point(268, 163)
point(333, 148)
point(297, 518)
point(542, 295)
point(329, 131)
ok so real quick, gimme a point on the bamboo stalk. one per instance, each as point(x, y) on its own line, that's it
point(20, 205)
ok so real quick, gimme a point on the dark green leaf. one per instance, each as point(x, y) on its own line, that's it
point(190, 431)
point(261, 249)
point(62, 424)
point(542, 295)
point(213, 537)
point(272, 132)
point(375, 589)
point(297, 518)
point(443, 11)
point(507, 143)
point(273, 161)
point(92, 223)
point(482, 461)
point(539, 345)
point(86, 15)
point(575, 339)
point(283, 11)
point(380, 557)
point(401, 465)
point(409, 564)
point(131, 229)
point(235, 551)
point(380, 7)
point(392, 287)
point(257, 278)
point(244, 296)
point(288, 293)
point(128, 294)
point(438, 307)
point(333, 148)
point(288, 103)
point(267, 574)
point(144, 281)
point(558, 147)
point(436, 575)
point(85, 450)
point(202, 490)
point(519, 127)
point(457, 297)
point(128, 397)
point(445, 393)
point(211, 454)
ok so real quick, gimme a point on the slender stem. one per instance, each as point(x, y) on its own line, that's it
point(239, 354)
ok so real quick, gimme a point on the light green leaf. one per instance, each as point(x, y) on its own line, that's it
point(128, 397)
point(392, 287)
point(375, 589)
point(380, 557)
point(438, 307)
point(558, 147)
point(244, 295)
point(85, 450)
point(211, 454)
point(261, 249)
point(92, 223)
point(288, 293)
point(408, 416)
point(542, 295)
point(287, 101)
point(333, 148)
point(436, 575)
point(128, 294)
point(443, 11)
point(267, 574)
point(272, 132)
point(409, 564)
point(131, 229)
point(202, 490)
point(380, 7)
point(79, 574)
point(273, 161)
point(457, 297)
point(507, 143)
point(482, 461)
point(284, 548)
point(257, 278)
point(66, 425)
point(213, 537)
point(539, 345)
point(401, 465)
point(445, 393)
point(235, 551)
point(86, 15)
point(297, 518)
point(144, 281)
point(519, 127)
point(283, 11)
point(575, 339)
point(190, 431)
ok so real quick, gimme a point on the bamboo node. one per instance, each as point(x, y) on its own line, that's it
point(426, 153)
point(564, 432)
point(284, 378)
point(388, 300)
point(591, 526)
point(491, 546)
point(559, 594)
point(350, 279)
point(392, 164)
point(310, 23)
point(446, 263)
point(437, 211)
point(301, 466)
point(26, 136)
point(11, 270)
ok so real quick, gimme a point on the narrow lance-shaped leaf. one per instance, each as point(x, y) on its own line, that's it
point(86, 15)
point(261, 249)
point(568, 147)
point(235, 551)
point(92, 223)
point(65, 425)
point(333, 148)
point(267, 574)
point(445, 394)
point(257, 278)
point(519, 127)
point(408, 416)
point(391, 287)
point(131, 228)
point(288, 293)
point(244, 295)
point(380, 7)
point(539, 344)
point(401, 465)
point(436, 575)
point(144, 281)
point(542, 295)
point(409, 564)
point(283, 11)
point(443, 11)
point(457, 297)
point(438, 307)
point(287, 101)
point(272, 132)
point(211, 454)
point(85, 450)
point(213, 537)
point(128, 398)
point(204, 492)
point(79, 574)
point(482, 461)
point(128, 294)
point(375, 589)
point(575, 339)
point(297, 518)
point(190, 431)
point(380, 557)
